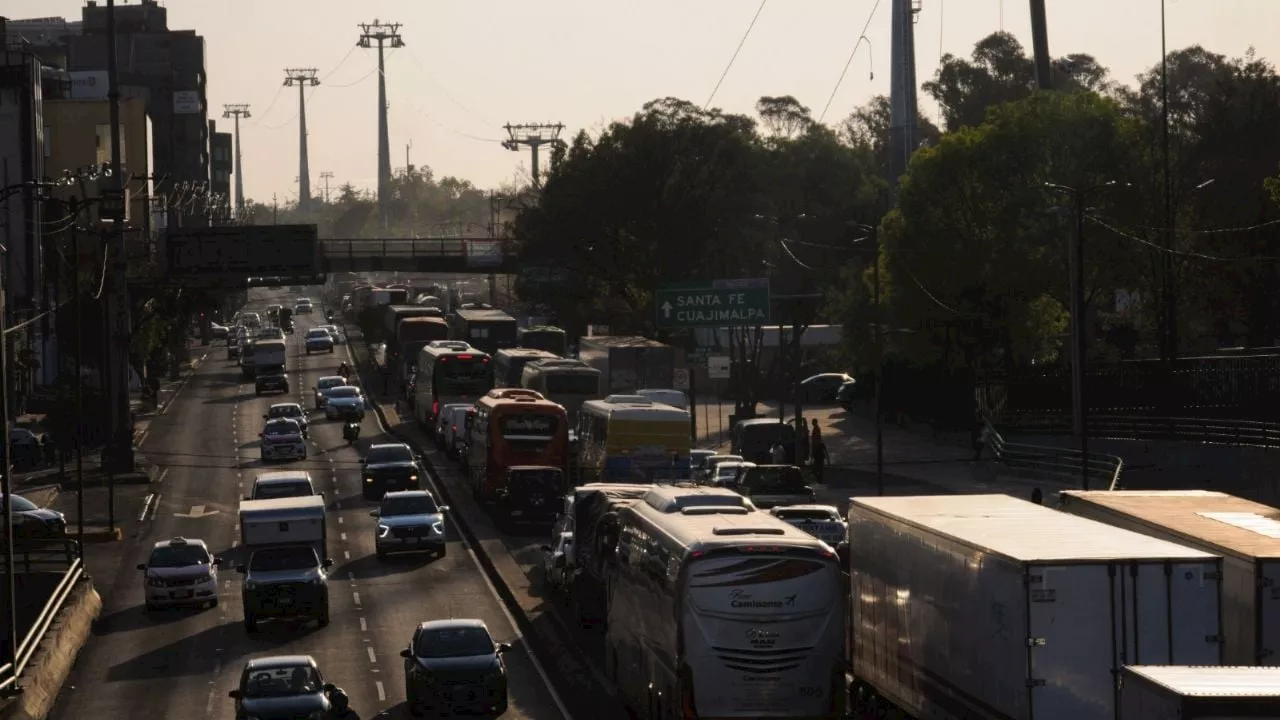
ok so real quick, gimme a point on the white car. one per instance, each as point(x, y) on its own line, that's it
point(318, 340)
point(333, 333)
point(286, 484)
point(727, 473)
point(289, 410)
point(269, 333)
point(708, 470)
point(180, 571)
point(325, 384)
point(302, 307)
point(341, 400)
point(282, 440)
point(821, 521)
point(556, 560)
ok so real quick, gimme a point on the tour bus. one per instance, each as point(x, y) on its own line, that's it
point(449, 371)
point(508, 364)
point(717, 609)
point(545, 337)
point(568, 382)
point(623, 437)
point(510, 427)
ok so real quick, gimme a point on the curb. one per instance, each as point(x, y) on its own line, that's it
point(45, 677)
point(104, 535)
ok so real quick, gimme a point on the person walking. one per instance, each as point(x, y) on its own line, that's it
point(819, 458)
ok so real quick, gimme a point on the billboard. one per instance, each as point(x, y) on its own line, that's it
point(234, 253)
point(89, 84)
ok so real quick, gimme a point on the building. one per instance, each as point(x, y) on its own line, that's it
point(167, 67)
point(78, 134)
point(221, 165)
point(48, 38)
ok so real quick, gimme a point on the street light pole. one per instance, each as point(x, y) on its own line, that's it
point(872, 233)
point(1170, 309)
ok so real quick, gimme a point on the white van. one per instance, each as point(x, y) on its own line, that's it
point(456, 430)
point(443, 420)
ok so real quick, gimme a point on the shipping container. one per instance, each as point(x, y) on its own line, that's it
point(976, 607)
point(1245, 533)
point(1174, 692)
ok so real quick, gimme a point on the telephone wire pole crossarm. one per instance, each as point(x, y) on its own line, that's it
point(533, 136)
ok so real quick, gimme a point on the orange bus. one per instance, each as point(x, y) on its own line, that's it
point(509, 427)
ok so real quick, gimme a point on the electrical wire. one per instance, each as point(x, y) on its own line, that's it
point(341, 62)
point(787, 249)
point(431, 78)
point(353, 83)
point(311, 91)
point(1207, 231)
point(98, 295)
point(257, 119)
point(741, 42)
point(861, 38)
point(1182, 253)
point(925, 290)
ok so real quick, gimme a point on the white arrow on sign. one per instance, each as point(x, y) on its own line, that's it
point(666, 309)
point(197, 511)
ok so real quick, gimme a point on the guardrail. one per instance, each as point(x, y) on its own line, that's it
point(1217, 431)
point(475, 248)
point(1054, 463)
point(69, 551)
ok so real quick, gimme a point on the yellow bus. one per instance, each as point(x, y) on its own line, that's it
point(628, 438)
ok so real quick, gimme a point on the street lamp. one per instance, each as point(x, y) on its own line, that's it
point(1079, 421)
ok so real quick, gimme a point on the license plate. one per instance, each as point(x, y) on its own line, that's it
point(181, 594)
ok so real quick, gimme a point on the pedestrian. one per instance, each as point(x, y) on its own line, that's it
point(1037, 496)
point(819, 458)
point(779, 453)
point(815, 435)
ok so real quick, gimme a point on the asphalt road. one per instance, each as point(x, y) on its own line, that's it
point(183, 663)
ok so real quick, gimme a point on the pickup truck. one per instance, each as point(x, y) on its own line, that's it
point(285, 582)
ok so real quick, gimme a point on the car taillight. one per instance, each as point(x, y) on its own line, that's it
point(435, 408)
point(687, 708)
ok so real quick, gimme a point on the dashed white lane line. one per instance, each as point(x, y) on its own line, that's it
point(382, 692)
point(346, 554)
point(339, 521)
point(372, 658)
point(355, 595)
point(364, 626)
point(344, 537)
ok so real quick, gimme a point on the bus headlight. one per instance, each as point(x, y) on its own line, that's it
point(383, 530)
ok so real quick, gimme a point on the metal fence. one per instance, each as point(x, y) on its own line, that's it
point(62, 555)
point(1216, 431)
point(1055, 463)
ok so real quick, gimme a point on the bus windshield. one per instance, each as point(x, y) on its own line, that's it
point(528, 426)
point(463, 375)
point(576, 384)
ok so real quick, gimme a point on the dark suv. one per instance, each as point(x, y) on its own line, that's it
point(289, 581)
point(270, 381)
point(387, 467)
point(531, 495)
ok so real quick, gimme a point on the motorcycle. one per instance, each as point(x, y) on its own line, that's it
point(351, 431)
point(328, 316)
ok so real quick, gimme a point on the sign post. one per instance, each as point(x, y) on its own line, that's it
point(723, 303)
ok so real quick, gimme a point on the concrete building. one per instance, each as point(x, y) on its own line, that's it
point(168, 68)
point(78, 133)
point(221, 164)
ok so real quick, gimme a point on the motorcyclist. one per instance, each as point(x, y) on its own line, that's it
point(344, 370)
point(340, 706)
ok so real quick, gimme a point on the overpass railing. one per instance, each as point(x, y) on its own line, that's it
point(1054, 463)
point(476, 249)
point(1214, 431)
point(61, 555)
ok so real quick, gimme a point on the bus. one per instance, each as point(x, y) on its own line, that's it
point(484, 326)
point(545, 337)
point(568, 382)
point(624, 437)
point(717, 609)
point(508, 365)
point(449, 372)
point(413, 334)
point(510, 427)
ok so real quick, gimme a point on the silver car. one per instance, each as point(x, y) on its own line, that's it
point(821, 521)
point(409, 520)
point(343, 400)
point(318, 340)
point(325, 384)
point(293, 411)
point(181, 571)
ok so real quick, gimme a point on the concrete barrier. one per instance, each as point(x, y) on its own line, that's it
point(43, 678)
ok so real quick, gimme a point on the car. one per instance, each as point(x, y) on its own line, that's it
point(303, 307)
point(285, 582)
point(269, 333)
point(318, 340)
point(443, 418)
point(707, 472)
point(556, 559)
point(849, 394)
point(821, 521)
point(275, 380)
point(531, 495)
point(289, 483)
point(289, 410)
point(327, 382)
point(217, 331)
point(343, 401)
point(455, 665)
point(409, 520)
point(769, 486)
point(282, 686)
point(250, 319)
point(727, 473)
point(180, 572)
point(389, 467)
point(282, 440)
point(697, 461)
point(333, 333)
point(32, 522)
point(822, 388)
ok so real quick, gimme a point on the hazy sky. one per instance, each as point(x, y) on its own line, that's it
point(470, 66)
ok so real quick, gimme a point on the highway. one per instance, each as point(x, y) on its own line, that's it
point(179, 663)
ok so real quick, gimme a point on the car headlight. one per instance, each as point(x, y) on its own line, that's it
point(155, 582)
point(413, 478)
point(368, 479)
point(383, 530)
point(438, 528)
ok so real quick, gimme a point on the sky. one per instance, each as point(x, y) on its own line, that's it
point(470, 66)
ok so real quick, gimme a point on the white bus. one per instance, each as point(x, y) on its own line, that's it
point(624, 437)
point(568, 382)
point(449, 371)
point(719, 610)
point(508, 364)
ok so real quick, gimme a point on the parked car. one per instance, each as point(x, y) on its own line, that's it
point(32, 522)
point(822, 388)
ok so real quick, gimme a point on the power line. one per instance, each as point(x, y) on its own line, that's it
point(861, 38)
point(1185, 253)
point(741, 42)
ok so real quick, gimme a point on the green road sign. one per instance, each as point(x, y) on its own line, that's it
point(723, 303)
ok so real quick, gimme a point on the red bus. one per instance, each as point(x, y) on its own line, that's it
point(509, 427)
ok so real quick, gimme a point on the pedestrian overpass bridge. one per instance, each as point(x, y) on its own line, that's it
point(424, 255)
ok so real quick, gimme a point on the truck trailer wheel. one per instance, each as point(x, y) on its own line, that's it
point(322, 620)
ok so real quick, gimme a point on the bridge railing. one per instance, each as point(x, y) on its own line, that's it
point(1215, 431)
point(477, 248)
point(1057, 464)
point(60, 555)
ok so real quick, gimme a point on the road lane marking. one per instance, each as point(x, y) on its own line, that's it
point(163, 474)
point(339, 521)
point(372, 658)
point(146, 505)
point(382, 692)
point(344, 537)
point(346, 554)
point(355, 595)
point(364, 626)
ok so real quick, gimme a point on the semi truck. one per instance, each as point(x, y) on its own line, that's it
point(1173, 692)
point(986, 607)
point(263, 356)
point(1243, 532)
point(627, 364)
point(483, 326)
point(594, 511)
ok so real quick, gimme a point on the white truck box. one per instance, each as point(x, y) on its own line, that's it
point(1179, 692)
point(1245, 533)
point(977, 607)
point(284, 521)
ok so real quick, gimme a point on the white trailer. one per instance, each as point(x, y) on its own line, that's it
point(1245, 533)
point(985, 607)
point(1173, 692)
point(284, 521)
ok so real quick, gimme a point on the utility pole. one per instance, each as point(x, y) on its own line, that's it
point(275, 209)
point(237, 111)
point(386, 35)
point(1040, 45)
point(118, 296)
point(326, 176)
point(903, 112)
point(1170, 309)
point(408, 166)
point(533, 135)
point(303, 78)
